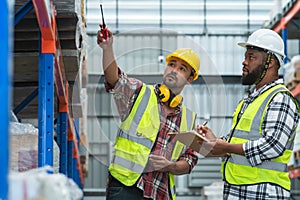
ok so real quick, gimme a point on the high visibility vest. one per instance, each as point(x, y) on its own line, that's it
point(237, 170)
point(137, 135)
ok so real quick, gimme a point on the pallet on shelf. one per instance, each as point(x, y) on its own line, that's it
point(292, 78)
point(291, 85)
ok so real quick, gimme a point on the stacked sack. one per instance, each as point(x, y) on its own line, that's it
point(24, 147)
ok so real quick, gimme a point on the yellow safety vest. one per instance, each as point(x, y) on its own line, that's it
point(236, 169)
point(136, 137)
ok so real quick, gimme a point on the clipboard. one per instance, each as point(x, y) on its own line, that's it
point(189, 138)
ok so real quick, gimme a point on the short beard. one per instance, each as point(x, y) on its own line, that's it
point(167, 83)
point(252, 77)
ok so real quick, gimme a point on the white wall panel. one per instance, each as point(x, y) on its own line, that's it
point(215, 103)
point(180, 16)
point(138, 54)
point(225, 54)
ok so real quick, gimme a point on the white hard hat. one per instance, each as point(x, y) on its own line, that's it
point(268, 40)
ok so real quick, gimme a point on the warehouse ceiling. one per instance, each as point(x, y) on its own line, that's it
point(184, 17)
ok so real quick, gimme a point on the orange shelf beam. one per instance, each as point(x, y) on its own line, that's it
point(287, 17)
point(45, 14)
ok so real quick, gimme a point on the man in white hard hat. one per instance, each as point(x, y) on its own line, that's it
point(258, 147)
point(145, 157)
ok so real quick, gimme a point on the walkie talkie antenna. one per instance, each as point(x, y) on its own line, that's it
point(104, 30)
point(103, 23)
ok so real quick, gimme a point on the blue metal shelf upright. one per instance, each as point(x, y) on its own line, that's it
point(51, 75)
point(5, 83)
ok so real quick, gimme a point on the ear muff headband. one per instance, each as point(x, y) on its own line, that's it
point(167, 96)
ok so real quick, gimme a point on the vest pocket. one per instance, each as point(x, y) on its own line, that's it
point(244, 171)
point(246, 123)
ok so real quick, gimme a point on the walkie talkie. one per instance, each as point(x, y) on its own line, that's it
point(103, 27)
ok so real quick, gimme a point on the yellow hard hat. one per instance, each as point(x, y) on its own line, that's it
point(189, 56)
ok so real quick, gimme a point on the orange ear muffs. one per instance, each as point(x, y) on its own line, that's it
point(166, 95)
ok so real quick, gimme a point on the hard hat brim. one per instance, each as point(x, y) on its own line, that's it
point(245, 44)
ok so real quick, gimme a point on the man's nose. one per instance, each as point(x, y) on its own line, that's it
point(175, 69)
point(244, 62)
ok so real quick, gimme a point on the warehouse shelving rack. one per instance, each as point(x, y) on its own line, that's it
point(51, 70)
point(51, 74)
point(288, 23)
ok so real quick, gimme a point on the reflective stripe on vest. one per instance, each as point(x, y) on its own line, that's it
point(140, 140)
point(255, 126)
point(237, 169)
point(189, 123)
point(137, 134)
point(237, 159)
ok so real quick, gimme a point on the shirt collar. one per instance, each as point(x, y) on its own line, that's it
point(255, 93)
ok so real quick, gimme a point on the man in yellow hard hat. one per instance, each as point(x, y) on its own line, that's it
point(145, 157)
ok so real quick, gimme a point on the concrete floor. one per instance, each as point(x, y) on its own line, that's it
point(99, 194)
point(178, 198)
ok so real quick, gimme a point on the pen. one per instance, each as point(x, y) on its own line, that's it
point(204, 123)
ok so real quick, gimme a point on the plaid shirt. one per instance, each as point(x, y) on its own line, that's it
point(278, 127)
point(155, 185)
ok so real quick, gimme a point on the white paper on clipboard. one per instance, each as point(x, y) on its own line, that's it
point(189, 138)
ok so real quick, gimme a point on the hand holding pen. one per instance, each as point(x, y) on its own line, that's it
point(205, 131)
point(214, 146)
point(200, 128)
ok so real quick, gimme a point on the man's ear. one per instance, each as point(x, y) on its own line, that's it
point(190, 79)
point(274, 63)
